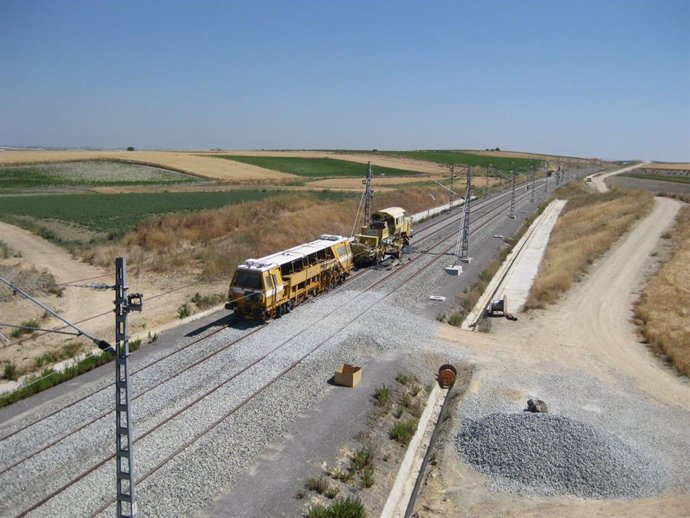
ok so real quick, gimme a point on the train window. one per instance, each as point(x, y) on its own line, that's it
point(342, 251)
point(245, 279)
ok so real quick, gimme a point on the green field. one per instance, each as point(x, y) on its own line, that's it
point(316, 167)
point(115, 214)
point(504, 164)
point(85, 174)
point(660, 177)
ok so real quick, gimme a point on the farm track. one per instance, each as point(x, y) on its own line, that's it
point(424, 260)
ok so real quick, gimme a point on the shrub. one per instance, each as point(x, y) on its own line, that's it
point(362, 458)
point(134, 345)
point(382, 395)
point(343, 476)
point(350, 507)
point(403, 379)
point(10, 371)
point(318, 510)
point(320, 485)
point(456, 319)
point(28, 323)
point(183, 311)
point(403, 431)
point(331, 492)
point(207, 301)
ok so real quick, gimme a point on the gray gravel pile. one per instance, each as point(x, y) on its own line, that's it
point(550, 454)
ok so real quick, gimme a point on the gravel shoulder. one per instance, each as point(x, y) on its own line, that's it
point(583, 358)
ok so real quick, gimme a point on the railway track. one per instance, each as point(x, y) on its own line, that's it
point(389, 282)
point(427, 232)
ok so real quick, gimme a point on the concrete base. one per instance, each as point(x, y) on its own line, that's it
point(465, 260)
point(453, 269)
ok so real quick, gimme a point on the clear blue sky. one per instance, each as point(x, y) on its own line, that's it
point(605, 78)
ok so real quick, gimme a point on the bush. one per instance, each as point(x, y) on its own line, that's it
point(318, 510)
point(183, 311)
point(362, 458)
point(207, 301)
point(350, 507)
point(403, 379)
point(320, 485)
point(10, 371)
point(403, 431)
point(28, 323)
point(382, 395)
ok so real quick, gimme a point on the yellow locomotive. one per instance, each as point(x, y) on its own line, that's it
point(271, 286)
point(386, 234)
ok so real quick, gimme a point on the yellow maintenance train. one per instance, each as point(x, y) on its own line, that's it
point(386, 234)
point(271, 286)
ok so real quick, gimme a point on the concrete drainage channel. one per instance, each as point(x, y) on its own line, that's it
point(403, 496)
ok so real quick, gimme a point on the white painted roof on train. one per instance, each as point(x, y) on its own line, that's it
point(396, 212)
point(264, 263)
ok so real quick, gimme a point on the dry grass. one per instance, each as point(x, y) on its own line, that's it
point(662, 311)
point(212, 243)
point(665, 166)
point(588, 226)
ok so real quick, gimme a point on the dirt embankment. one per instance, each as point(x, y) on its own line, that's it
point(80, 304)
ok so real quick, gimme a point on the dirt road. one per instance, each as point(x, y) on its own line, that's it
point(582, 355)
point(598, 181)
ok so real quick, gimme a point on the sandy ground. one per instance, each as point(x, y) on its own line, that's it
point(606, 348)
point(206, 167)
point(77, 303)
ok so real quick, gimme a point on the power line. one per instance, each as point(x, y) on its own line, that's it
point(102, 344)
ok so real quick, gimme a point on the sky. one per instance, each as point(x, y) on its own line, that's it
point(592, 78)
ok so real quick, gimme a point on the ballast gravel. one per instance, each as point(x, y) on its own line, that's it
point(551, 454)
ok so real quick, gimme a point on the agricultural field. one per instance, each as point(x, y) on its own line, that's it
point(110, 216)
point(316, 167)
point(504, 164)
point(14, 178)
point(189, 163)
point(677, 173)
point(660, 177)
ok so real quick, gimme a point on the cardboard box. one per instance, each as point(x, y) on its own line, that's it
point(347, 375)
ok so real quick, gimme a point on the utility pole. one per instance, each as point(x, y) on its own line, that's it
point(451, 192)
point(124, 446)
point(465, 252)
point(124, 303)
point(512, 197)
point(532, 176)
point(368, 195)
point(486, 190)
